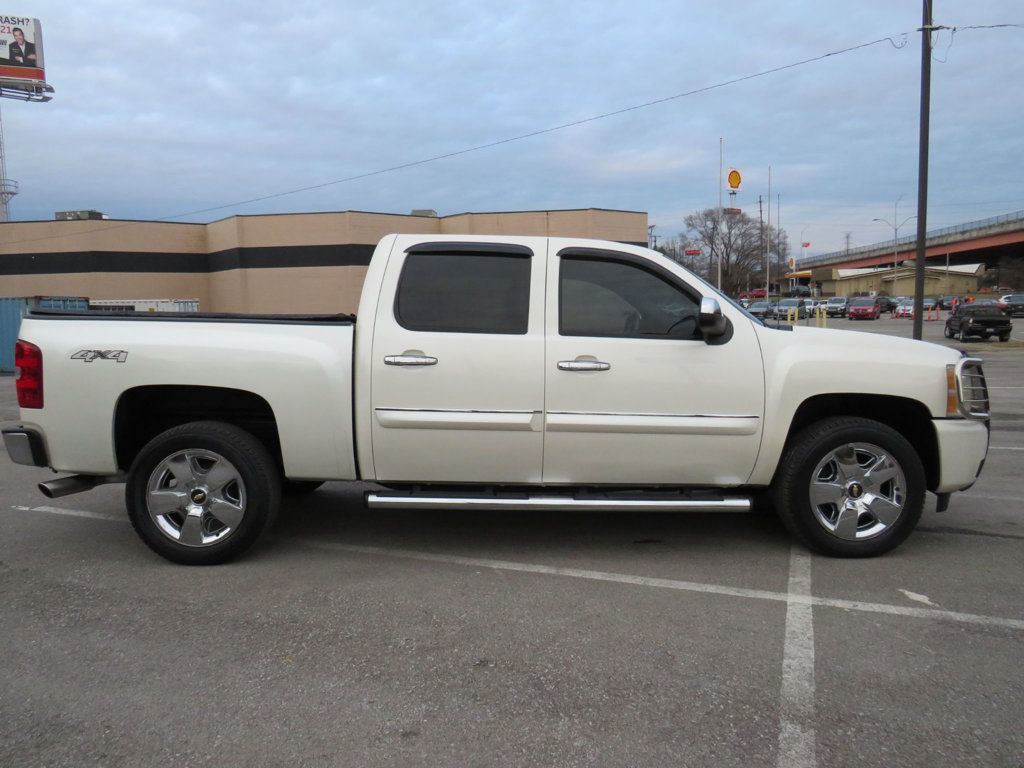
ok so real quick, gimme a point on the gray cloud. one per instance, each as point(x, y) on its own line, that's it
point(171, 107)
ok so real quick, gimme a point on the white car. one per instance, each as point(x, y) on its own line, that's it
point(489, 373)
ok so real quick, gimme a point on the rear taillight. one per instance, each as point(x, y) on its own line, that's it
point(28, 362)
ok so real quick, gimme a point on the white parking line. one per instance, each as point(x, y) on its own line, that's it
point(73, 513)
point(623, 578)
point(796, 705)
point(683, 586)
point(1004, 448)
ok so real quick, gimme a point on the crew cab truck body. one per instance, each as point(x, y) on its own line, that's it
point(492, 372)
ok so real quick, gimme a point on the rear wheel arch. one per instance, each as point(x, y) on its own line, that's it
point(142, 413)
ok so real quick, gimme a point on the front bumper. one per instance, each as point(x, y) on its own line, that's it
point(963, 446)
point(26, 446)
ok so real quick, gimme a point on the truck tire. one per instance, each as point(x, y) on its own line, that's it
point(947, 332)
point(1004, 337)
point(849, 487)
point(963, 334)
point(202, 493)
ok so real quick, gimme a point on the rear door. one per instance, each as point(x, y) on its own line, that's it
point(457, 362)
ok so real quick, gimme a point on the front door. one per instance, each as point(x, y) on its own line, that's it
point(634, 393)
point(457, 363)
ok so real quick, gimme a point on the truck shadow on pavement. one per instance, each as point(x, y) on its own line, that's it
point(337, 514)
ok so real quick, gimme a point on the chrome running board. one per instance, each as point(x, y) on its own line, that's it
point(555, 503)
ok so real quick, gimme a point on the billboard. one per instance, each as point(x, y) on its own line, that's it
point(21, 50)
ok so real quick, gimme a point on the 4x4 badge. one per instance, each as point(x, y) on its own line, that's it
point(101, 354)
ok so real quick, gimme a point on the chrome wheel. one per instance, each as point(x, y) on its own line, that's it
point(857, 491)
point(196, 497)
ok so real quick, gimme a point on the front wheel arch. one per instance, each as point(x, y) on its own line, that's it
point(911, 418)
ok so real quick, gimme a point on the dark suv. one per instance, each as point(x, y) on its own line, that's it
point(985, 320)
point(1015, 304)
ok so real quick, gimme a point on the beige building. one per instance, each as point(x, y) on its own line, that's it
point(296, 262)
point(938, 281)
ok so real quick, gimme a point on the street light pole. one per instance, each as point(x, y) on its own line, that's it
point(895, 237)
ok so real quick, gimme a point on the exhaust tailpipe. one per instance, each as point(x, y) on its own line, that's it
point(65, 486)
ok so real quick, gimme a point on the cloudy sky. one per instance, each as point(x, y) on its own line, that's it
point(167, 108)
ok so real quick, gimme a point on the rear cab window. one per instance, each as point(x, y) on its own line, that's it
point(464, 293)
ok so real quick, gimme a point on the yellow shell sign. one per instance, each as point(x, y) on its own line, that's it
point(734, 179)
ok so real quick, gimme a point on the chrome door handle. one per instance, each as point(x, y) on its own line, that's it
point(583, 365)
point(410, 360)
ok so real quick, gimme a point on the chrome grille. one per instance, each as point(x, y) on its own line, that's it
point(971, 389)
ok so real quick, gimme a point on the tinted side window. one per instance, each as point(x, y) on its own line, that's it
point(464, 293)
point(612, 298)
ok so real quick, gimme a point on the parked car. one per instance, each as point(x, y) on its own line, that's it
point(757, 293)
point(886, 303)
point(492, 373)
point(837, 306)
point(788, 307)
point(1014, 304)
point(904, 309)
point(946, 302)
point(864, 308)
point(762, 309)
point(978, 320)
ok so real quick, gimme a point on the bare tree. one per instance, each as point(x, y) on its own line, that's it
point(737, 238)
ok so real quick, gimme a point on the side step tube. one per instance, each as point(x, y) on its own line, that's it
point(556, 503)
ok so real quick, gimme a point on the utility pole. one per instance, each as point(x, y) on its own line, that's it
point(721, 157)
point(922, 164)
point(767, 276)
point(846, 236)
point(778, 226)
point(769, 229)
point(8, 187)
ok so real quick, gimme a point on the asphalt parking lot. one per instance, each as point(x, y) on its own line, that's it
point(352, 637)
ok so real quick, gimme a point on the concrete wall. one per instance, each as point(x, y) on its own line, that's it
point(285, 263)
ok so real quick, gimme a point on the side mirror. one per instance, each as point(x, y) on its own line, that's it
point(711, 320)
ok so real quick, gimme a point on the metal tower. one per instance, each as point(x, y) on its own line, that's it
point(8, 188)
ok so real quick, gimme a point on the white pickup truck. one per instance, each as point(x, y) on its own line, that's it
point(500, 372)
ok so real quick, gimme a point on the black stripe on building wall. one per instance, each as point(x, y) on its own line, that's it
point(70, 262)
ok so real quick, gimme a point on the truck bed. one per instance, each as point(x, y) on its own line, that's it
point(195, 317)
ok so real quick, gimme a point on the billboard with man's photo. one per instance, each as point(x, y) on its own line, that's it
point(21, 49)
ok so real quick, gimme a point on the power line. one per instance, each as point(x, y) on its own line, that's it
point(899, 43)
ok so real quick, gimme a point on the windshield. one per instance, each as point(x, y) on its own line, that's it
point(862, 302)
point(837, 300)
point(789, 303)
